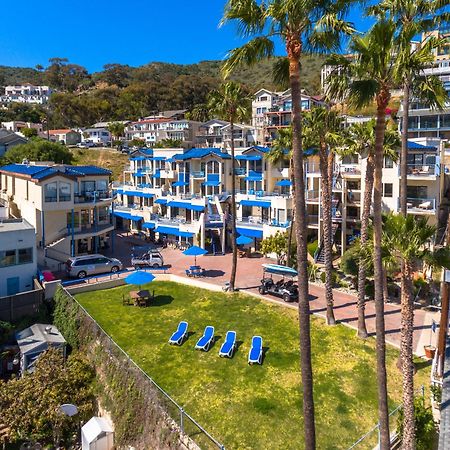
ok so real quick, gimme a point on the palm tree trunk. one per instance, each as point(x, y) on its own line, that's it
point(293, 47)
point(326, 224)
point(368, 190)
point(383, 411)
point(233, 213)
point(404, 150)
point(291, 228)
point(406, 354)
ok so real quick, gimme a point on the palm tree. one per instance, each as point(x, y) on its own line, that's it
point(360, 140)
point(322, 129)
point(407, 239)
point(301, 25)
point(413, 18)
point(370, 76)
point(230, 101)
point(116, 129)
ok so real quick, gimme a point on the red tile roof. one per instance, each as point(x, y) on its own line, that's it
point(59, 131)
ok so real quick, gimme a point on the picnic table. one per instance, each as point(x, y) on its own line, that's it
point(195, 271)
point(140, 298)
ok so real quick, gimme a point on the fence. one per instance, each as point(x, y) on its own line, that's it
point(14, 307)
point(371, 440)
point(187, 425)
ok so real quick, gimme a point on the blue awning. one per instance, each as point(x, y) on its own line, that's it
point(157, 173)
point(249, 157)
point(159, 158)
point(416, 146)
point(118, 190)
point(180, 183)
point(260, 203)
point(161, 201)
point(211, 183)
point(139, 194)
point(190, 206)
point(148, 225)
point(250, 232)
point(128, 216)
point(284, 183)
point(174, 232)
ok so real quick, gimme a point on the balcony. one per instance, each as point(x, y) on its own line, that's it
point(92, 196)
point(312, 168)
point(240, 171)
point(198, 174)
point(421, 205)
point(312, 220)
point(312, 196)
point(143, 170)
point(422, 170)
point(349, 170)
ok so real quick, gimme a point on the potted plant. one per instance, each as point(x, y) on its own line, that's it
point(430, 350)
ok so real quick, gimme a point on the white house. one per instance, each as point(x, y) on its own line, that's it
point(100, 136)
point(18, 262)
point(26, 93)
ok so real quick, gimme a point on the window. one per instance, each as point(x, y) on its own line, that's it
point(7, 258)
point(50, 192)
point(387, 189)
point(388, 163)
point(64, 192)
point(416, 192)
point(76, 219)
point(102, 185)
point(263, 98)
point(87, 186)
point(103, 214)
point(25, 255)
point(428, 122)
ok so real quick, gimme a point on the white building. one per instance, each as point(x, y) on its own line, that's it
point(17, 126)
point(99, 136)
point(18, 261)
point(216, 133)
point(26, 93)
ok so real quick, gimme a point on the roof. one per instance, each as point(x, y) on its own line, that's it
point(197, 153)
point(92, 130)
point(161, 120)
point(258, 148)
point(213, 121)
point(173, 112)
point(94, 428)
point(8, 137)
point(38, 338)
point(63, 131)
point(37, 172)
point(8, 225)
point(416, 146)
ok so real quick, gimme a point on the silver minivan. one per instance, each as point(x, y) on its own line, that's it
point(83, 266)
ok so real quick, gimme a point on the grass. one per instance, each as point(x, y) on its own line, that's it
point(245, 407)
point(108, 159)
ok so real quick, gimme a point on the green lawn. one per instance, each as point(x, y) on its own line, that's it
point(245, 407)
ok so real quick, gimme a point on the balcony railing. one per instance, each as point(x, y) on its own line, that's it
point(312, 219)
point(350, 169)
point(143, 169)
point(421, 205)
point(422, 170)
point(91, 196)
point(240, 171)
point(198, 174)
point(312, 167)
point(312, 196)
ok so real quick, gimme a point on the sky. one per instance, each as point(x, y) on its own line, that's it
point(134, 32)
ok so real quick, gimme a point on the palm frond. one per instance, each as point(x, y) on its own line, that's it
point(248, 14)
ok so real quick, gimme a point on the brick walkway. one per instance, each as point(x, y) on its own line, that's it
point(249, 274)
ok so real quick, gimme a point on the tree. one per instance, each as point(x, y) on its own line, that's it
point(199, 112)
point(52, 384)
point(322, 130)
point(301, 25)
point(231, 102)
point(115, 74)
point(38, 150)
point(407, 240)
point(277, 243)
point(29, 132)
point(116, 129)
point(360, 140)
point(169, 143)
point(371, 75)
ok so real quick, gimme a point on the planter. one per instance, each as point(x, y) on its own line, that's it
point(430, 350)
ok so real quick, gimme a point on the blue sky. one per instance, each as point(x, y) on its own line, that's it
point(135, 32)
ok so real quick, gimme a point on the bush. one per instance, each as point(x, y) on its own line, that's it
point(65, 317)
point(312, 247)
point(334, 277)
point(350, 261)
point(38, 150)
point(426, 430)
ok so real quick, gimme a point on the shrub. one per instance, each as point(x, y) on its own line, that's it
point(334, 277)
point(312, 247)
point(65, 317)
point(350, 261)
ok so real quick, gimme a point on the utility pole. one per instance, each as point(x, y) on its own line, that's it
point(443, 327)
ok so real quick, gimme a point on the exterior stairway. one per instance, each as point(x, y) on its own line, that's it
point(319, 257)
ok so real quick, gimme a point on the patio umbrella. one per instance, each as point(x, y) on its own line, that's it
point(284, 183)
point(195, 251)
point(139, 277)
point(243, 240)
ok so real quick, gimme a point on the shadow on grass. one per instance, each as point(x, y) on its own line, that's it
point(265, 350)
point(161, 300)
point(214, 340)
point(422, 364)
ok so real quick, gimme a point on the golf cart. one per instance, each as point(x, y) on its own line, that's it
point(149, 259)
point(284, 288)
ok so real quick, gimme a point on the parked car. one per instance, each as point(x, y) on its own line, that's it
point(149, 259)
point(284, 288)
point(85, 144)
point(83, 266)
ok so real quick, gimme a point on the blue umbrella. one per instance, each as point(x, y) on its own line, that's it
point(139, 277)
point(195, 251)
point(284, 183)
point(243, 240)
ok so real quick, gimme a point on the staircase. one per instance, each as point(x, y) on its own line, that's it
point(319, 256)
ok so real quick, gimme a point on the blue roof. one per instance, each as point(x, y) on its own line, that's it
point(39, 172)
point(190, 206)
point(416, 146)
point(258, 148)
point(196, 153)
point(161, 201)
point(260, 203)
point(249, 157)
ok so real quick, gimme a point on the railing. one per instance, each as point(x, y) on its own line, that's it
point(143, 169)
point(91, 196)
point(240, 171)
point(312, 196)
point(312, 167)
point(350, 169)
point(421, 205)
point(186, 423)
point(312, 219)
point(422, 170)
point(198, 174)
point(253, 220)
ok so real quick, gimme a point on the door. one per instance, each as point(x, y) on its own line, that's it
point(12, 286)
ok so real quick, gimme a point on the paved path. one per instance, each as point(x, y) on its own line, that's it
point(249, 274)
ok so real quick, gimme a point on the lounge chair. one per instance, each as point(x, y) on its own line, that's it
point(229, 345)
point(256, 351)
point(180, 335)
point(205, 341)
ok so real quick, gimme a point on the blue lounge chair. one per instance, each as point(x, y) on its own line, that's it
point(256, 351)
point(205, 341)
point(180, 335)
point(229, 345)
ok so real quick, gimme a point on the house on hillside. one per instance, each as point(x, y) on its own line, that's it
point(99, 136)
point(16, 126)
point(9, 139)
point(65, 136)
